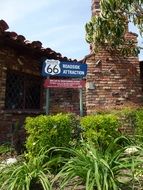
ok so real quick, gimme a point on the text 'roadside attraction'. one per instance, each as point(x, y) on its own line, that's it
point(67, 69)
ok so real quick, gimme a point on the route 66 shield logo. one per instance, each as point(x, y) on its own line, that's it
point(52, 67)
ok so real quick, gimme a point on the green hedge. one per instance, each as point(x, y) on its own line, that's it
point(139, 125)
point(60, 130)
point(64, 130)
point(133, 120)
point(100, 129)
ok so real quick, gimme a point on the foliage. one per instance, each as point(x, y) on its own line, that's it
point(129, 115)
point(102, 162)
point(109, 27)
point(133, 119)
point(139, 125)
point(30, 175)
point(100, 129)
point(128, 120)
point(109, 170)
point(58, 130)
point(5, 148)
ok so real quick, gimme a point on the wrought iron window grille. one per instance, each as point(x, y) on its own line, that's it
point(23, 91)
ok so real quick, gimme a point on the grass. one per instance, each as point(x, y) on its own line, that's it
point(115, 168)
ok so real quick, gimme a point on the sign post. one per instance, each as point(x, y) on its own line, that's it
point(81, 102)
point(64, 69)
point(47, 100)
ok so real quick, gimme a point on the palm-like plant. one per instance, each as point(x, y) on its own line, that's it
point(109, 170)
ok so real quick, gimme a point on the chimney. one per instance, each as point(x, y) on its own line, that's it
point(95, 8)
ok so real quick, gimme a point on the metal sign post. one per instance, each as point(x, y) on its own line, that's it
point(47, 100)
point(81, 102)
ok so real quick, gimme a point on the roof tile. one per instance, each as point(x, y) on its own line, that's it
point(14, 37)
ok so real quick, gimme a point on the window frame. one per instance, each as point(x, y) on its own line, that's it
point(37, 79)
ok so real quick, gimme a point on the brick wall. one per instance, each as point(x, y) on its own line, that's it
point(64, 100)
point(116, 80)
point(60, 100)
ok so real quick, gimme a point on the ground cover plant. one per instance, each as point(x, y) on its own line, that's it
point(92, 153)
point(111, 169)
point(27, 174)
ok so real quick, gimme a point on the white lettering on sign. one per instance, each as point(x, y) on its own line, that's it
point(73, 72)
point(68, 69)
point(61, 83)
point(65, 66)
point(52, 67)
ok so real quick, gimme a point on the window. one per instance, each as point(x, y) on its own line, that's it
point(23, 91)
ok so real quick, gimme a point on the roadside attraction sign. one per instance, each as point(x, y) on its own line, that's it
point(74, 71)
point(63, 69)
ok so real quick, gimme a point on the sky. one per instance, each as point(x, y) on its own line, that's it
point(59, 25)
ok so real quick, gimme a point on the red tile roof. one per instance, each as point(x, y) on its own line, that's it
point(20, 40)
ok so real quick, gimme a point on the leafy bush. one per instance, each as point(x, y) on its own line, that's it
point(132, 119)
point(100, 129)
point(139, 124)
point(4, 148)
point(127, 119)
point(60, 130)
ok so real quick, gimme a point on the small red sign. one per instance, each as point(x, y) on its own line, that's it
point(63, 83)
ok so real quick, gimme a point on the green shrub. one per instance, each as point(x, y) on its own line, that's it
point(5, 148)
point(127, 120)
point(139, 125)
point(133, 120)
point(100, 129)
point(51, 131)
